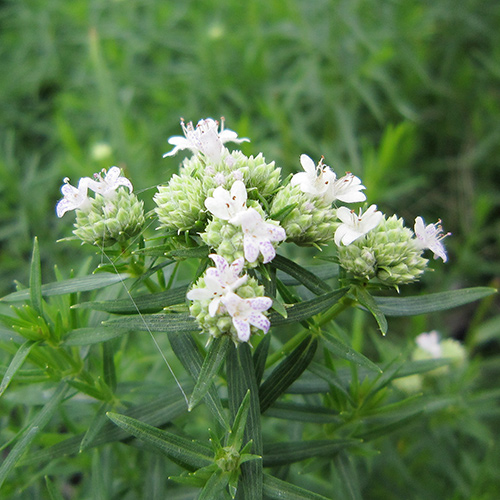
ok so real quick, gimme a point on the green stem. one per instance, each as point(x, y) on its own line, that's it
point(335, 310)
point(286, 348)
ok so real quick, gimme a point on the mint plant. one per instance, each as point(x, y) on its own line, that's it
point(253, 335)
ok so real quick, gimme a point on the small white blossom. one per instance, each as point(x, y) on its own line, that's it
point(346, 189)
point(430, 343)
point(246, 312)
point(108, 185)
point(315, 180)
point(258, 235)
point(430, 237)
point(226, 204)
point(354, 226)
point(205, 139)
point(73, 197)
point(219, 281)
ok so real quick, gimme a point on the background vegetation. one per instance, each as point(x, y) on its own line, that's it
point(404, 94)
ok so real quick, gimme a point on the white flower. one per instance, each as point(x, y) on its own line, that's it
point(430, 237)
point(219, 281)
point(108, 185)
point(226, 204)
point(316, 180)
point(354, 226)
point(205, 139)
point(73, 197)
point(246, 312)
point(258, 235)
point(346, 189)
point(429, 342)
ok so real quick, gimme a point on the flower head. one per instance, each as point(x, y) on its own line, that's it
point(258, 235)
point(73, 197)
point(219, 281)
point(316, 179)
point(226, 204)
point(246, 312)
point(430, 237)
point(354, 226)
point(107, 185)
point(204, 139)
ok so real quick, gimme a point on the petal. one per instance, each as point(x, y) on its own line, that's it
point(64, 206)
point(239, 193)
point(242, 328)
point(275, 233)
point(220, 262)
point(250, 248)
point(260, 321)
point(199, 294)
point(345, 215)
point(237, 266)
point(267, 250)
point(260, 303)
point(308, 165)
point(218, 208)
point(214, 306)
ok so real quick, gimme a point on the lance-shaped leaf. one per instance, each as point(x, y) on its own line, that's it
point(145, 304)
point(308, 308)
point(187, 352)
point(36, 280)
point(289, 370)
point(366, 300)
point(211, 364)
point(35, 427)
point(277, 489)
point(181, 322)
point(338, 348)
point(302, 275)
point(289, 452)
point(72, 285)
point(185, 452)
point(298, 412)
point(16, 363)
point(433, 302)
point(93, 335)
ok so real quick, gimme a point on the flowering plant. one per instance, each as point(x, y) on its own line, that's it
point(273, 324)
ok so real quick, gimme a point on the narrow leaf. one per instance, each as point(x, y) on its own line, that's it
point(287, 453)
point(16, 363)
point(338, 348)
point(349, 477)
point(215, 486)
point(277, 489)
point(210, 368)
point(302, 275)
point(72, 285)
point(36, 279)
point(145, 304)
point(289, 370)
point(260, 357)
point(54, 493)
point(239, 423)
point(93, 335)
point(298, 412)
point(433, 302)
point(308, 308)
point(94, 428)
point(365, 299)
point(156, 323)
point(183, 451)
point(36, 426)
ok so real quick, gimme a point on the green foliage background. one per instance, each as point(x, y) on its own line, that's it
point(404, 94)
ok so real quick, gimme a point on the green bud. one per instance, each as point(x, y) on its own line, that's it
point(111, 219)
point(388, 253)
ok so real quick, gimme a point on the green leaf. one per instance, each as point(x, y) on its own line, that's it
point(307, 309)
point(189, 253)
point(184, 452)
point(289, 370)
point(211, 365)
point(423, 304)
point(36, 426)
point(179, 323)
point(367, 300)
point(302, 275)
point(421, 366)
point(145, 304)
point(286, 453)
point(297, 412)
point(349, 477)
point(338, 348)
point(73, 285)
point(94, 428)
point(321, 271)
point(93, 335)
point(53, 491)
point(235, 438)
point(16, 363)
point(277, 489)
point(260, 357)
point(215, 486)
point(187, 352)
point(36, 280)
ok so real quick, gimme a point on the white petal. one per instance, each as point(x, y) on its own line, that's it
point(199, 294)
point(308, 164)
point(242, 328)
point(250, 248)
point(64, 206)
point(260, 321)
point(267, 250)
point(261, 303)
point(220, 262)
point(214, 306)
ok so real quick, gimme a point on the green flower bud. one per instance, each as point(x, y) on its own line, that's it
point(308, 221)
point(388, 253)
point(180, 204)
point(110, 219)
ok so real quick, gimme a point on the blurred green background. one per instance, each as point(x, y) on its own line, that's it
point(404, 94)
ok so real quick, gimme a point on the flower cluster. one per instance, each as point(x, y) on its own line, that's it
point(240, 208)
point(113, 215)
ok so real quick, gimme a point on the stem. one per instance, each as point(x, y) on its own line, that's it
point(286, 348)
